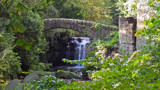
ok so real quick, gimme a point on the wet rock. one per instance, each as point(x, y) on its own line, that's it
point(66, 75)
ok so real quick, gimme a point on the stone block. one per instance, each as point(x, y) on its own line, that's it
point(127, 29)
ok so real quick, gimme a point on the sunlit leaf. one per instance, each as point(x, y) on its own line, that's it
point(28, 46)
point(18, 27)
point(20, 42)
point(1, 35)
point(150, 3)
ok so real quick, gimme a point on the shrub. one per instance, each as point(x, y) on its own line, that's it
point(48, 82)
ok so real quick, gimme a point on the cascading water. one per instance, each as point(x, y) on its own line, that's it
point(76, 49)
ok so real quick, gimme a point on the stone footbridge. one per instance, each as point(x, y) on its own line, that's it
point(91, 29)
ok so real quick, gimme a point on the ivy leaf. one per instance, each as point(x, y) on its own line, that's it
point(28, 46)
point(18, 27)
point(20, 42)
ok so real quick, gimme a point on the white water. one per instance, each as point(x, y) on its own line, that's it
point(80, 45)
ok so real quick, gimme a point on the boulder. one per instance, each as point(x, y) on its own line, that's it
point(66, 75)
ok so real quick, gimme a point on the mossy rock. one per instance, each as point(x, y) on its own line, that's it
point(43, 73)
point(66, 75)
point(12, 84)
point(30, 77)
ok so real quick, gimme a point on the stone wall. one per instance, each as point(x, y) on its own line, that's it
point(127, 40)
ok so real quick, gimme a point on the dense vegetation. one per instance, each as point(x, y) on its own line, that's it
point(24, 44)
point(22, 38)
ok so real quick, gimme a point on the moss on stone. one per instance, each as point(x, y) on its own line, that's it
point(43, 73)
point(66, 74)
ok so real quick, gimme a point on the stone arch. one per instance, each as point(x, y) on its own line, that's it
point(79, 25)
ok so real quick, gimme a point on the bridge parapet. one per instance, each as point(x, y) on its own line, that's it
point(94, 30)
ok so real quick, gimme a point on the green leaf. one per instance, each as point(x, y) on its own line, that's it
point(18, 27)
point(20, 42)
point(21, 7)
point(71, 62)
point(158, 9)
point(158, 53)
point(67, 61)
point(145, 22)
point(150, 3)
point(77, 61)
point(28, 46)
point(1, 35)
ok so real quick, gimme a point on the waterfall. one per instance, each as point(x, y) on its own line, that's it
point(76, 49)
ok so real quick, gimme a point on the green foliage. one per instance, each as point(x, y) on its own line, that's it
point(101, 11)
point(110, 40)
point(51, 12)
point(20, 42)
point(10, 64)
point(120, 72)
point(21, 28)
point(31, 41)
point(67, 9)
point(97, 27)
point(43, 73)
point(77, 86)
point(139, 71)
point(48, 82)
point(34, 82)
point(3, 84)
point(9, 60)
point(19, 84)
point(152, 28)
point(39, 67)
point(127, 8)
point(152, 31)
